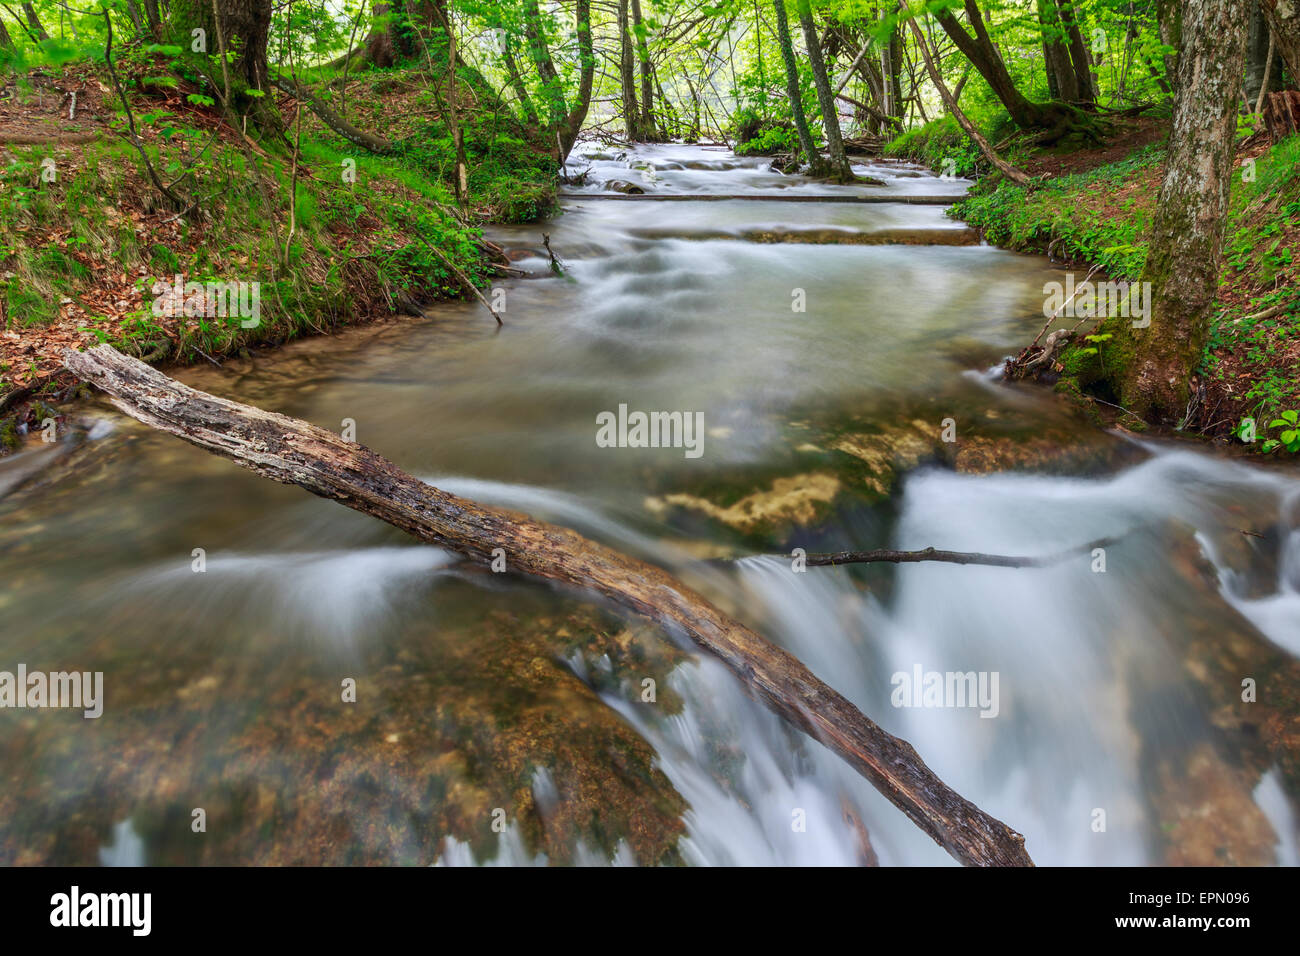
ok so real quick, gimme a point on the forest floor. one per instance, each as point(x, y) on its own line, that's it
point(1093, 208)
point(91, 249)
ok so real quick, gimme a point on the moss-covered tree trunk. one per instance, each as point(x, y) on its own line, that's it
point(517, 81)
point(1169, 24)
point(627, 75)
point(1085, 85)
point(649, 127)
point(1283, 18)
point(825, 97)
point(405, 30)
point(893, 79)
point(539, 51)
point(577, 114)
point(1062, 83)
point(816, 164)
point(1150, 367)
point(242, 31)
point(34, 22)
point(1056, 118)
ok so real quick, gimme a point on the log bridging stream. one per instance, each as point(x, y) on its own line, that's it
point(295, 452)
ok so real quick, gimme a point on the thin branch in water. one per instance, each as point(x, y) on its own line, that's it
point(885, 555)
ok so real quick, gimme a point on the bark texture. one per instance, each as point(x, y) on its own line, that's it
point(1155, 363)
point(1283, 18)
point(825, 98)
point(815, 161)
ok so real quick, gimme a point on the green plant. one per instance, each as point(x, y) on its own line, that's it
point(1289, 438)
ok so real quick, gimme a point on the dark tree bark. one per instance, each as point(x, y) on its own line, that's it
point(34, 23)
point(1062, 81)
point(825, 98)
point(893, 78)
point(298, 453)
point(1056, 119)
point(1169, 24)
point(1085, 85)
point(950, 102)
point(6, 41)
point(403, 30)
point(154, 18)
point(1150, 367)
point(1283, 18)
point(244, 27)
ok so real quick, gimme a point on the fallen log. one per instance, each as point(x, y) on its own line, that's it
point(298, 453)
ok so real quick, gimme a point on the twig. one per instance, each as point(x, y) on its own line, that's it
point(888, 556)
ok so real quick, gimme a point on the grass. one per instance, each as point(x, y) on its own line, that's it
point(84, 235)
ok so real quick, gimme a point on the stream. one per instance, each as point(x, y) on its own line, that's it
point(825, 346)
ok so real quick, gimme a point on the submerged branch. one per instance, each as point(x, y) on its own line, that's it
point(885, 555)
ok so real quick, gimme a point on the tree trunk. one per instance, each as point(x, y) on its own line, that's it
point(1085, 85)
point(1062, 82)
point(576, 116)
point(893, 78)
point(517, 81)
point(539, 52)
point(649, 128)
point(1169, 24)
point(1260, 52)
point(297, 453)
point(817, 165)
point(627, 75)
point(825, 98)
point(154, 18)
point(34, 23)
point(950, 102)
point(244, 29)
point(1152, 365)
point(409, 27)
point(1056, 118)
point(6, 41)
point(1283, 18)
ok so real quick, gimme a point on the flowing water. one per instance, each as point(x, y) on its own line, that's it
point(826, 345)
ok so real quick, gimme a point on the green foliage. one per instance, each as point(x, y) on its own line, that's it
point(1073, 214)
point(940, 144)
point(754, 135)
point(1289, 437)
